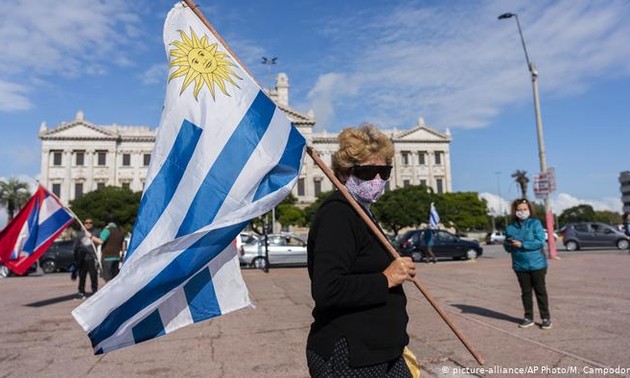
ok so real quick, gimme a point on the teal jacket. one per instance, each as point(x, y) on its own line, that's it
point(530, 256)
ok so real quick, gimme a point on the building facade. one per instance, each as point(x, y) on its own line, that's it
point(624, 183)
point(79, 156)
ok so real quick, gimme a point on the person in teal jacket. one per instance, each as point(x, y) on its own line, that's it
point(524, 240)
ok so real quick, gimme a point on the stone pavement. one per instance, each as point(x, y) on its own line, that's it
point(589, 298)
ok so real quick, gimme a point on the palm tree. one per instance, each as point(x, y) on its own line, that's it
point(521, 179)
point(13, 195)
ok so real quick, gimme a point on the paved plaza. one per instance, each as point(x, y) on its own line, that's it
point(589, 297)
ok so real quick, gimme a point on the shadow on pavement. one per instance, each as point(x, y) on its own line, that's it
point(467, 309)
point(50, 301)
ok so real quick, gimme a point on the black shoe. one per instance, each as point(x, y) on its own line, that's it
point(80, 296)
point(546, 324)
point(526, 323)
point(434, 260)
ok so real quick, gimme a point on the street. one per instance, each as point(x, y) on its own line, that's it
point(589, 299)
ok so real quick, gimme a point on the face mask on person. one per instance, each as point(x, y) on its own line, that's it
point(367, 191)
point(522, 214)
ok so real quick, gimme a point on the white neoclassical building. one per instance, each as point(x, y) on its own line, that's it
point(79, 156)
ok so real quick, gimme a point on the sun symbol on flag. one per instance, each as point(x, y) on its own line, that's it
point(201, 62)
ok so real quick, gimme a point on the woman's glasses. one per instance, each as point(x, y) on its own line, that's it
point(368, 172)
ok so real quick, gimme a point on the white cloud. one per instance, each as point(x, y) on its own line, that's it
point(559, 203)
point(458, 66)
point(48, 38)
point(154, 74)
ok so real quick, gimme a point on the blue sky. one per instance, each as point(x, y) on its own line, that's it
point(385, 62)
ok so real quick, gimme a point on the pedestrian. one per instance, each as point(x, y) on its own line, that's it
point(525, 239)
point(111, 240)
point(429, 236)
point(360, 318)
point(85, 259)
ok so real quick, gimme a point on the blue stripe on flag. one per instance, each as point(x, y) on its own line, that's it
point(51, 225)
point(201, 297)
point(158, 195)
point(226, 169)
point(172, 276)
point(149, 328)
point(31, 240)
point(287, 168)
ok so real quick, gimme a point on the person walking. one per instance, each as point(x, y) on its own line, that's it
point(525, 239)
point(111, 240)
point(360, 318)
point(85, 259)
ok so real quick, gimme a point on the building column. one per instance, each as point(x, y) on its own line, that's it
point(66, 187)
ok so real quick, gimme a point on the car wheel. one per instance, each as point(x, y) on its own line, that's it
point(48, 266)
point(471, 254)
point(571, 246)
point(260, 263)
point(4, 271)
point(622, 244)
point(416, 256)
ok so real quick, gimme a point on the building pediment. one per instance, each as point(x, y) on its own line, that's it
point(77, 129)
point(421, 133)
point(296, 117)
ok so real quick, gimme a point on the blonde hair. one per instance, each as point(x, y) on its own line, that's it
point(359, 144)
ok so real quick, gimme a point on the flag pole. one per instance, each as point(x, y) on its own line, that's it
point(342, 188)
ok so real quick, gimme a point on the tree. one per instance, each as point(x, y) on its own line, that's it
point(121, 202)
point(609, 217)
point(404, 207)
point(287, 214)
point(580, 213)
point(521, 179)
point(13, 195)
point(463, 210)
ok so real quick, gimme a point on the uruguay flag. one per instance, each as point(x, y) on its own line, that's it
point(434, 217)
point(32, 231)
point(224, 154)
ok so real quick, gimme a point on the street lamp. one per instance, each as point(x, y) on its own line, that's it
point(541, 144)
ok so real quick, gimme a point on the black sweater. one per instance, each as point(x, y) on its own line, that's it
point(345, 264)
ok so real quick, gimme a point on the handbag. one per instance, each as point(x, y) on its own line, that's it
point(412, 362)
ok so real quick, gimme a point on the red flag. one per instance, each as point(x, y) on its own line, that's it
point(27, 236)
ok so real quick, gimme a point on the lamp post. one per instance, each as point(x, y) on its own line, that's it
point(500, 199)
point(270, 62)
point(541, 144)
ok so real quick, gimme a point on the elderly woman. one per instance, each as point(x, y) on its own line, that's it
point(360, 320)
point(524, 240)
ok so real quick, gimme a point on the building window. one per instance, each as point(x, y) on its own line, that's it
point(57, 158)
point(125, 185)
point(126, 160)
point(100, 185)
point(146, 159)
point(438, 158)
point(423, 182)
point(300, 188)
point(101, 157)
point(439, 183)
point(78, 190)
point(56, 189)
point(405, 158)
point(79, 158)
point(406, 183)
point(318, 186)
point(422, 158)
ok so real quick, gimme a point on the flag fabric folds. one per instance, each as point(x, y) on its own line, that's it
point(224, 154)
point(27, 236)
point(434, 217)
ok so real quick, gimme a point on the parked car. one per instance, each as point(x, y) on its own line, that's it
point(495, 237)
point(593, 234)
point(59, 257)
point(284, 249)
point(445, 244)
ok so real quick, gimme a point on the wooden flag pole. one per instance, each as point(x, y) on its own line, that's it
point(342, 188)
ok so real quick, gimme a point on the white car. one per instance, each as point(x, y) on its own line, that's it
point(284, 249)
